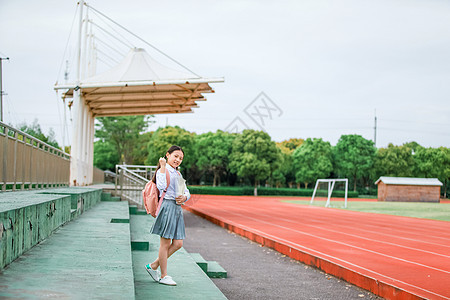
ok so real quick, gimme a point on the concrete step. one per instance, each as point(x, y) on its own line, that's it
point(88, 258)
point(140, 245)
point(200, 261)
point(211, 268)
point(192, 282)
point(106, 196)
point(215, 270)
point(134, 210)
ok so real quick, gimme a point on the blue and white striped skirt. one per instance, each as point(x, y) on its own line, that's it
point(169, 223)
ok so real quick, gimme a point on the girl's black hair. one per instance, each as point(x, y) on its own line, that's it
point(171, 149)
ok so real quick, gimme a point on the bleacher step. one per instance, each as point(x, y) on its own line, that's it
point(211, 268)
point(90, 252)
point(215, 270)
point(106, 196)
point(192, 282)
point(201, 262)
point(139, 245)
point(132, 209)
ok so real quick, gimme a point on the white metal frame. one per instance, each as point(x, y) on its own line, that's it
point(331, 183)
point(131, 179)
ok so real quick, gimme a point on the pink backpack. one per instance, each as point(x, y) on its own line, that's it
point(152, 199)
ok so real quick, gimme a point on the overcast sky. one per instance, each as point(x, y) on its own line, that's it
point(326, 66)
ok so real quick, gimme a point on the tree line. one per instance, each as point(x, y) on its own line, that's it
point(253, 158)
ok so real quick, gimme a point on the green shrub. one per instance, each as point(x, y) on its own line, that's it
point(264, 191)
point(226, 190)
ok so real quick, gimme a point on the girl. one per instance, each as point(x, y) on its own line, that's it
point(169, 223)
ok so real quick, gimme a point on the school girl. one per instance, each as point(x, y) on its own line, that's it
point(169, 223)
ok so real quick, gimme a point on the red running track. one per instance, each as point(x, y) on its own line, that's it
point(391, 256)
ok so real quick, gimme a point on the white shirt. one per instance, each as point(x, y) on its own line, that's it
point(161, 183)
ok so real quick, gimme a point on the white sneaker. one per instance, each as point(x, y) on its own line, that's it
point(167, 280)
point(153, 273)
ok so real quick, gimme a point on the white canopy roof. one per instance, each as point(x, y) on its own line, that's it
point(409, 181)
point(140, 85)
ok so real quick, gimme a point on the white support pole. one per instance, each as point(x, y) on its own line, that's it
point(85, 46)
point(83, 128)
point(90, 159)
point(330, 190)
point(75, 152)
point(314, 193)
point(90, 52)
point(346, 189)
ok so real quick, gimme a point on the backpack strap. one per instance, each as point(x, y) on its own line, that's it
point(161, 197)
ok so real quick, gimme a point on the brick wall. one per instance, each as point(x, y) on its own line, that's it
point(408, 193)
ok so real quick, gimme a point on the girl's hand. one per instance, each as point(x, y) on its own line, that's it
point(180, 199)
point(162, 162)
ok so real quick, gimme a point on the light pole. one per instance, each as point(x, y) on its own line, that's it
point(1, 88)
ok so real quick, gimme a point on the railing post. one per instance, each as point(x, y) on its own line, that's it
point(121, 181)
point(115, 182)
point(24, 148)
point(5, 157)
point(31, 164)
point(15, 162)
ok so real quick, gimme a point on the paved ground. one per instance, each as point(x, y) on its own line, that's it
point(256, 272)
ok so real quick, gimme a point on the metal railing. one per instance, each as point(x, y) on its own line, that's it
point(130, 180)
point(26, 162)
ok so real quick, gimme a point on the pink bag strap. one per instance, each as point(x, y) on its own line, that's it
point(161, 198)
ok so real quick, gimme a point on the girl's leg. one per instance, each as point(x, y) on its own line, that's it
point(171, 249)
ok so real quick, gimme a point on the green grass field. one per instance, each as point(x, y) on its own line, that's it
point(435, 211)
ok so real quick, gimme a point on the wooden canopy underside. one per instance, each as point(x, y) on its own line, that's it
point(142, 100)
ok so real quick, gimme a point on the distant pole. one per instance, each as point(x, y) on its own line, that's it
point(1, 87)
point(375, 130)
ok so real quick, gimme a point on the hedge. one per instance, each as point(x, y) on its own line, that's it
point(266, 191)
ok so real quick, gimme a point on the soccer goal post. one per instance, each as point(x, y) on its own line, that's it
point(331, 183)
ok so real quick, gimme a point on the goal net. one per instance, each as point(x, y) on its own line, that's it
point(331, 183)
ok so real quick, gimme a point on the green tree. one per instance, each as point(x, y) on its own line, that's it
point(35, 130)
point(213, 152)
point(414, 146)
point(291, 144)
point(106, 156)
point(354, 156)
point(286, 170)
point(396, 161)
point(312, 160)
point(123, 133)
point(434, 163)
point(254, 156)
point(163, 138)
point(140, 151)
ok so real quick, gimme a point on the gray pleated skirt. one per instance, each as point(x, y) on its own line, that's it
point(169, 223)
